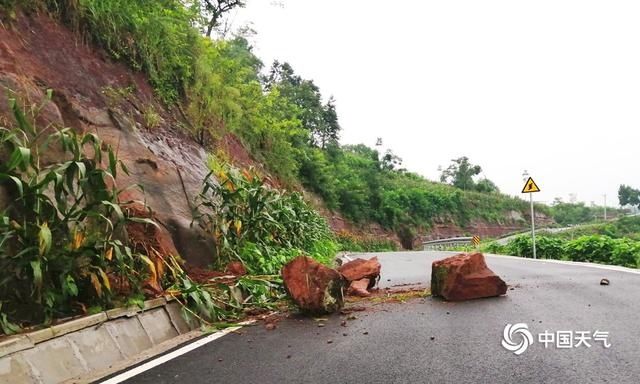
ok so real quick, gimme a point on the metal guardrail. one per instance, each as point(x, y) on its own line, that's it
point(447, 243)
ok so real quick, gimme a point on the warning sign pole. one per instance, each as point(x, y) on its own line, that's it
point(533, 226)
point(531, 187)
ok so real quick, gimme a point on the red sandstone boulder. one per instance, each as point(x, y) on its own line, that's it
point(315, 288)
point(236, 268)
point(359, 269)
point(464, 277)
point(359, 288)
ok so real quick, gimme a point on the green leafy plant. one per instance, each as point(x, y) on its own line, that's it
point(261, 291)
point(258, 225)
point(494, 247)
point(62, 232)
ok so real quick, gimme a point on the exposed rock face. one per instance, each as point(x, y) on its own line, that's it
point(94, 94)
point(315, 288)
point(464, 277)
point(359, 269)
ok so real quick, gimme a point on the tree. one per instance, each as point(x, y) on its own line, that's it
point(487, 186)
point(390, 161)
point(628, 196)
point(329, 130)
point(460, 173)
point(321, 120)
point(571, 213)
point(214, 9)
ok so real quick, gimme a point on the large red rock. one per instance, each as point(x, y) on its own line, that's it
point(464, 277)
point(316, 288)
point(359, 288)
point(359, 269)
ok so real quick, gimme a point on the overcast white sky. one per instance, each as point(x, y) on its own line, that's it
point(552, 87)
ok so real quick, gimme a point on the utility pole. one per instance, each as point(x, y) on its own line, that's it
point(605, 207)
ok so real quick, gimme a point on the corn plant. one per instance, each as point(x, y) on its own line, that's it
point(62, 228)
point(256, 224)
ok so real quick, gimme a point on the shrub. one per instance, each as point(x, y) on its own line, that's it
point(546, 247)
point(520, 246)
point(494, 247)
point(590, 248)
point(549, 248)
point(348, 241)
point(626, 252)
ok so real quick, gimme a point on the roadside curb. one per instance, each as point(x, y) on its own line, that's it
point(88, 344)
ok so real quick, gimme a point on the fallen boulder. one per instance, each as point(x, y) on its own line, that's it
point(464, 277)
point(359, 288)
point(359, 269)
point(316, 288)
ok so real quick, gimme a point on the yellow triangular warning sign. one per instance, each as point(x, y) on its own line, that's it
point(530, 186)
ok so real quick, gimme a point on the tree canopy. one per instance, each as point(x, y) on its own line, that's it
point(460, 174)
point(628, 196)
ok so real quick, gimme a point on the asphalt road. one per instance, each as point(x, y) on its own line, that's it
point(432, 341)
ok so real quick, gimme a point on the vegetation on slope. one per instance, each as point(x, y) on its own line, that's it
point(70, 245)
point(281, 117)
point(262, 227)
point(578, 213)
point(65, 250)
point(62, 236)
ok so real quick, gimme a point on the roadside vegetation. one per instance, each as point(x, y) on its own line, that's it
point(287, 123)
point(616, 243)
point(63, 230)
point(70, 245)
point(352, 242)
point(255, 224)
point(66, 245)
point(565, 214)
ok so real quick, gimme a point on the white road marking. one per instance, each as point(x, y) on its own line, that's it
point(172, 355)
point(616, 268)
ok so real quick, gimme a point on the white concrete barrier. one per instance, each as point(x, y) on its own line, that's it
point(89, 344)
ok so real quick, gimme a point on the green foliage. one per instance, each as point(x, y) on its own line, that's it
point(494, 247)
point(282, 117)
point(628, 196)
point(61, 233)
point(624, 227)
point(366, 187)
point(258, 225)
point(261, 291)
point(596, 249)
point(546, 247)
point(592, 248)
point(460, 174)
point(319, 118)
point(626, 252)
point(577, 213)
point(351, 242)
point(156, 37)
